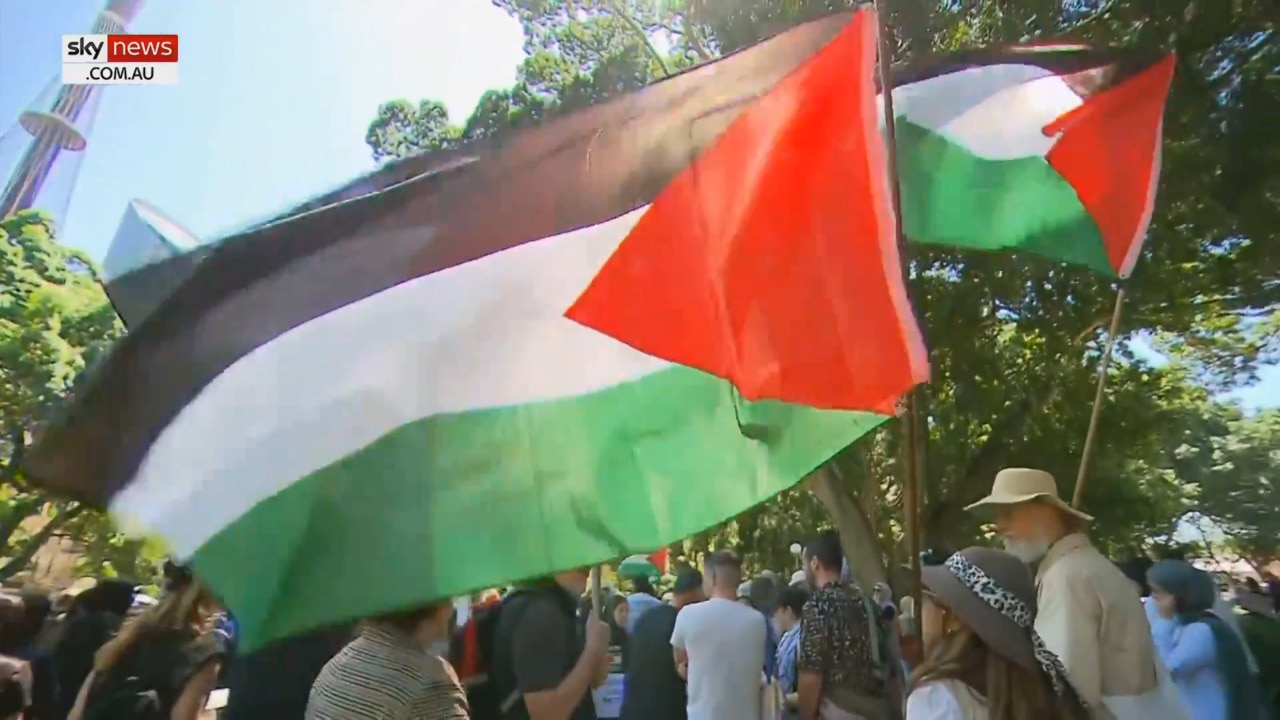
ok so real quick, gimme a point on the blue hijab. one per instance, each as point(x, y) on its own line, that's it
point(1194, 592)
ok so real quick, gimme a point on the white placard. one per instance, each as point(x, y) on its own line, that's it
point(608, 697)
point(217, 699)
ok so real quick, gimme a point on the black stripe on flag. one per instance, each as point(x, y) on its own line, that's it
point(570, 173)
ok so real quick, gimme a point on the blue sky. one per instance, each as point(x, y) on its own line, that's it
point(272, 104)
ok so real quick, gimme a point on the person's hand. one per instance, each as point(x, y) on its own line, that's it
point(597, 644)
point(682, 669)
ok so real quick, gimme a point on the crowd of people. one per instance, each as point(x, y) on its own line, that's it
point(104, 653)
point(1045, 628)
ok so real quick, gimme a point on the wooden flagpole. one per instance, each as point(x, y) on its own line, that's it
point(597, 593)
point(910, 421)
point(1091, 436)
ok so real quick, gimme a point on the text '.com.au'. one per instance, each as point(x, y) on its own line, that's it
point(119, 59)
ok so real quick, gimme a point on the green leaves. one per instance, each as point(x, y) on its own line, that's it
point(53, 314)
point(400, 129)
point(54, 321)
point(1236, 481)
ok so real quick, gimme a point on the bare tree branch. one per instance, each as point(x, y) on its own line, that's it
point(636, 28)
point(19, 561)
point(20, 509)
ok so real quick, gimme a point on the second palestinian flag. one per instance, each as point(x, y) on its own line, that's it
point(604, 335)
point(1050, 149)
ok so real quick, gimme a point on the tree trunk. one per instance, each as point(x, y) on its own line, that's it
point(857, 534)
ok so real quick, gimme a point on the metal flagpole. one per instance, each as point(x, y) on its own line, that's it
point(1091, 436)
point(909, 423)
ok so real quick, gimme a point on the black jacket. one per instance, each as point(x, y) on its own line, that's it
point(274, 682)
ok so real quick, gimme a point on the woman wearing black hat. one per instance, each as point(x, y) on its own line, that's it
point(983, 658)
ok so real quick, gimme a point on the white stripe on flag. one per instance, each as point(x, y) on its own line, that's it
point(489, 333)
point(997, 112)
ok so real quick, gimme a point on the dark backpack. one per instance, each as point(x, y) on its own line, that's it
point(471, 652)
point(146, 682)
point(502, 667)
point(124, 697)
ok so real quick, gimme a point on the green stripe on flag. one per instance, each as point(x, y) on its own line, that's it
point(952, 197)
point(490, 496)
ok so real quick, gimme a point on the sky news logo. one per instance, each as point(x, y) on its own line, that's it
point(119, 59)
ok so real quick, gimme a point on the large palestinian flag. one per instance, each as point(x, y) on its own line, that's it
point(595, 338)
point(1050, 149)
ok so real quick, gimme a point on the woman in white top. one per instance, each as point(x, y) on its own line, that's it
point(983, 658)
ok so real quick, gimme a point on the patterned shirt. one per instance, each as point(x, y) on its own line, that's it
point(385, 675)
point(835, 640)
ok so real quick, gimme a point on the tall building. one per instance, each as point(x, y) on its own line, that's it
point(40, 155)
point(149, 257)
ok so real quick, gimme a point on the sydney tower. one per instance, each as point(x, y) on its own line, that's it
point(50, 137)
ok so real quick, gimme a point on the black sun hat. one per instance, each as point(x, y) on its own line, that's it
point(993, 593)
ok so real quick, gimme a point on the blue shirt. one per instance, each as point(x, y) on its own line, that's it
point(788, 676)
point(770, 647)
point(637, 603)
point(1190, 654)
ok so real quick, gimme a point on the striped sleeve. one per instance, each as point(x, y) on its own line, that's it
point(443, 697)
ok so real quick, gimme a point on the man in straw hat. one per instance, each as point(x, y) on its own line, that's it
point(1090, 615)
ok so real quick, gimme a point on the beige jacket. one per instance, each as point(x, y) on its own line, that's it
point(1091, 617)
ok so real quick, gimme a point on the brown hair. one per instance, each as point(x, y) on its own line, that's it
point(189, 607)
point(1011, 691)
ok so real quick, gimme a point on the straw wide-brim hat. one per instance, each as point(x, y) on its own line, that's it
point(1014, 486)
point(999, 631)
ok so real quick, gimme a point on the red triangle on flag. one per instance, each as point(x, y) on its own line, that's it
point(1110, 153)
point(772, 259)
point(660, 560)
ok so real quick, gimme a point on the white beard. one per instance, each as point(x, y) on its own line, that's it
point(1028, 551)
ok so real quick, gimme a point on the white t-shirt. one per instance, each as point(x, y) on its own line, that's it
point(725, 644)
point(939, 701)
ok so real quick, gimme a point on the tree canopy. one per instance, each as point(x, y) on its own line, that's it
point(1014, 341)
point(55, 320)
point(1235, 480)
